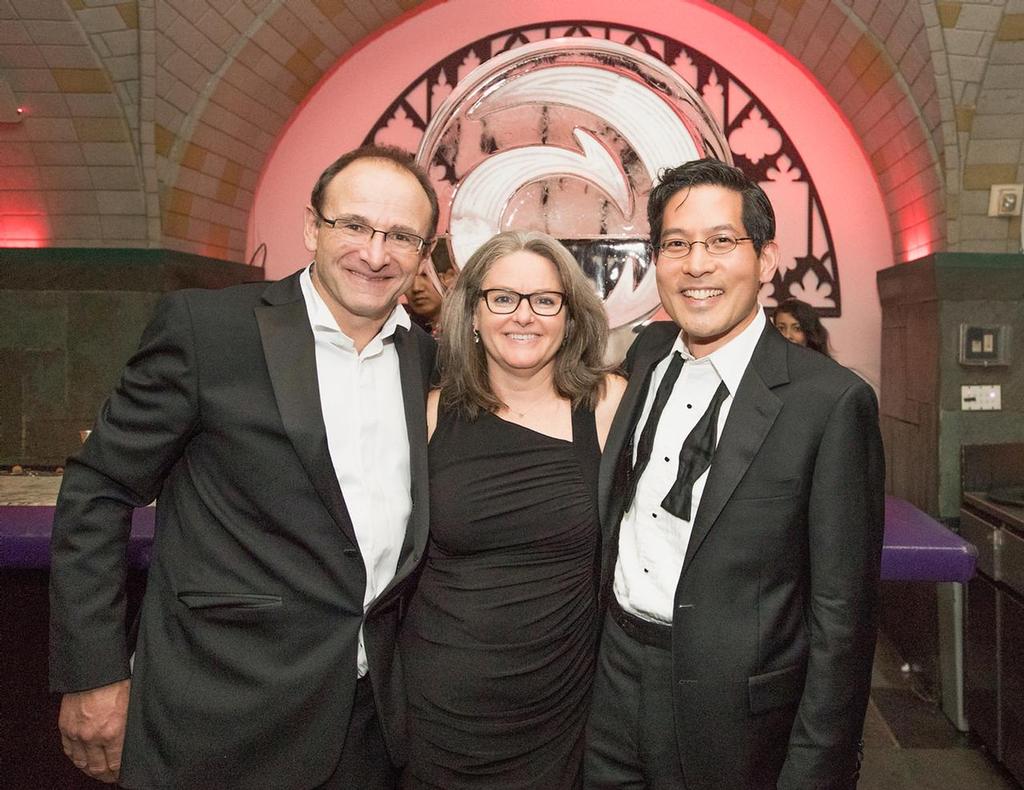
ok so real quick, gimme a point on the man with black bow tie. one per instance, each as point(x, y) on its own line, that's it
point(741, 499)
point(283, 427)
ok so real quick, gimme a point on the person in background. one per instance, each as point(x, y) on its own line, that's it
point(423, 299)
point(498, 642)
point(283, 427)
point(799, 323)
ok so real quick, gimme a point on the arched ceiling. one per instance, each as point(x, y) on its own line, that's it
point(148, 122)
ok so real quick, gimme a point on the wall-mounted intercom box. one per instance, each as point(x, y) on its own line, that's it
point(984, 345)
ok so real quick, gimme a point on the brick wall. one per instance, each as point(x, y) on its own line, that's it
point(148, 121)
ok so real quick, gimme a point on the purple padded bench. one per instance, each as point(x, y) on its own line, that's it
point(916, 547)
point(25, 536)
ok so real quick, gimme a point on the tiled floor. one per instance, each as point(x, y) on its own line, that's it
point(909, 744)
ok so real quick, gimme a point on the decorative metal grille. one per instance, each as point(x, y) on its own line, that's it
point(759, 145)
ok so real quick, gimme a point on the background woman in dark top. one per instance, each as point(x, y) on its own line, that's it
point(799, 323)
point(498, 643)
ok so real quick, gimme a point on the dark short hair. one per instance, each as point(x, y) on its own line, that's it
point(441, 257)
point(387, 153)
point(810, 323)
point(758, 216)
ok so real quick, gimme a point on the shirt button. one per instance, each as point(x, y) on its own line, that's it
point(654, 515)
point(666, 459)
point(689, 405)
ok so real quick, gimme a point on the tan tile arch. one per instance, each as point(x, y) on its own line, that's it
point(70, 174)
point(151, 119)
point(978, 51)
point(229, 75)
point(873, 58)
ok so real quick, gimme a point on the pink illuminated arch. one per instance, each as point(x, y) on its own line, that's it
point(781, 126)
point(757, 141)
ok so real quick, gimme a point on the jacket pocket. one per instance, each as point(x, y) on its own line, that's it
point(767, 489)
point(218, 600)
point(775, 689)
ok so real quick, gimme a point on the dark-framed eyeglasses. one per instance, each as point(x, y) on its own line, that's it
point(503, 302)
point(397, 241)
point(719, 244)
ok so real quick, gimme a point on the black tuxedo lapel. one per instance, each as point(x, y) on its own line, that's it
point(626, 416)
point(625, 422)
point(410, 364)
point(291, 360)
point(751, 415)
point(640, 362)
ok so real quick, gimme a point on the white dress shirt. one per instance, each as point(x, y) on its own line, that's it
point(364, 414)
point(652, 541)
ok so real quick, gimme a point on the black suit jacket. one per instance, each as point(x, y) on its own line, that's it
point(245, 665)
point(775, 613)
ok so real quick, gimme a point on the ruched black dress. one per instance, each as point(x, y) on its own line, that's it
point(498, 643)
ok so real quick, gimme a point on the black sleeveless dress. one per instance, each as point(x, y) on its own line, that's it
point(498, 643)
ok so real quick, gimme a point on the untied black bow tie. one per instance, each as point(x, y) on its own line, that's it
point(694, 456)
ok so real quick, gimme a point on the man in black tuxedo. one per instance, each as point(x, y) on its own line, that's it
point(281, 428)
point(741, 497)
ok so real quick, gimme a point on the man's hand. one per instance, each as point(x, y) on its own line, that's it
point(92, 729)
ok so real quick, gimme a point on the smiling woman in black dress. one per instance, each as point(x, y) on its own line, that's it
point(498, 644)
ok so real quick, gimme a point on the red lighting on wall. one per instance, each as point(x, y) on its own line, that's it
point(23, 218)
point(914, 195)
point(916, 231)
point(914, 249)
point(24, 230)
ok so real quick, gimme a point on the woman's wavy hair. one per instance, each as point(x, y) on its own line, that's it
point(810, 322)
point(579, 367)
